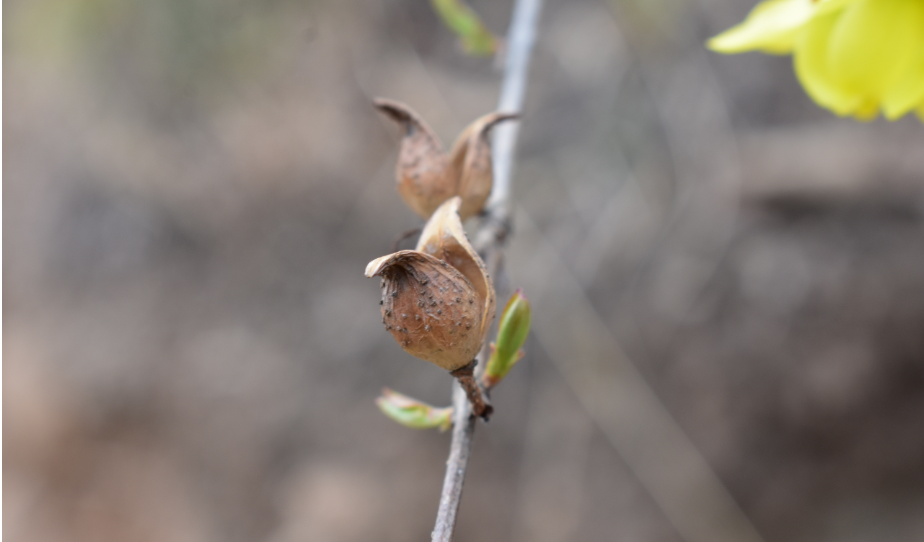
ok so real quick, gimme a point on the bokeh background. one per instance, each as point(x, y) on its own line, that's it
point(726, 280)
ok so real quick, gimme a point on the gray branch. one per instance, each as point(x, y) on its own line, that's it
point(520, 40)
point(489, 241)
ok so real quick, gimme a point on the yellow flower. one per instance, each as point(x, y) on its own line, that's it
point(853, 57)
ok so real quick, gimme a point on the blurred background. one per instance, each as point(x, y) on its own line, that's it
point(725, 279)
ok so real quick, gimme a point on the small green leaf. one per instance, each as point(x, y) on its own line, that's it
point(511, 334)
point(413, 413)
point(464, 22)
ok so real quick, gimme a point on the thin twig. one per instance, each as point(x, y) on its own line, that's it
point(481, 406)
point(488, 241)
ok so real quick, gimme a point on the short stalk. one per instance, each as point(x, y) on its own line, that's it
point(481, 407)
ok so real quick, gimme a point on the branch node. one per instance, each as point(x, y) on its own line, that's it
point(481, 406)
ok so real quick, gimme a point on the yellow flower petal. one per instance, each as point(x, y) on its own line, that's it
point(772, 27)
point(871, 52)
point(855, 57)
point(824, 7)
point(867, 110)
point(907, 41)
point(811, 62)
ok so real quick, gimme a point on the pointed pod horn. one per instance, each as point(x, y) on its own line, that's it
point(470, 162)
point(421, 172)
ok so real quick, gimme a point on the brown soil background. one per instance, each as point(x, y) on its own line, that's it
point(191, 352)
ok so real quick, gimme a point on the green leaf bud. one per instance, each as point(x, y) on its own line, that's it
point(476, 40)
point(413, 413)
point(511, 334)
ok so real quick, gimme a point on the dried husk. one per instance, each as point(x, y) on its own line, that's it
point(437, 301)
point(470, 163)
point(430, 308)
point(427, 176)
point(444, 238)
point(421, 172)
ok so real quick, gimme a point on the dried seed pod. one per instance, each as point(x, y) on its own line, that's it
point(411, 276)
point(470, 163)
point(424, 284)
point(422, 162)
point(427, 176)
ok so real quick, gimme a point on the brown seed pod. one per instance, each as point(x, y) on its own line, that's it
point(427, 176)
point(470, 162)
point(417, 285)
point(437, 301)
point(422, 161)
